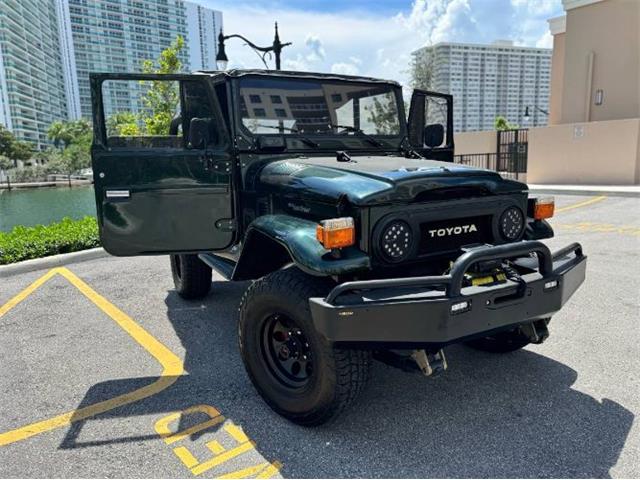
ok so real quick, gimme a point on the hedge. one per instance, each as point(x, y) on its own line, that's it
point(24, 243)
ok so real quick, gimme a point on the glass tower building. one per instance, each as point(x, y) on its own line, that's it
point(32, 72)
point(118, 35)
point(49, 47)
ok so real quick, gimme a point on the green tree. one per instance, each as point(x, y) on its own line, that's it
point(66, 133)
point(58, 132)
point(74, 158)
point(123, 124)
point(161, 98)
point(5, 164)
point(384, 115)
point(6, 142)
point(422, 70)
point(501, 123)
point(13, 148)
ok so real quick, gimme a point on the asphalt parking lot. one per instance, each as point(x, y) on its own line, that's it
point(106, 372)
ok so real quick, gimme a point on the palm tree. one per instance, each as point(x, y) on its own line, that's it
point(58, 132)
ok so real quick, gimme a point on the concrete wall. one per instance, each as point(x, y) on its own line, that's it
point(557, 79)
point(605, 153)
point(475, 142)
point(601, 52)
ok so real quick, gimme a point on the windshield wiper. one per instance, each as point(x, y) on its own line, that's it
point(305, 140)
point(409, 151)
point(359, 131)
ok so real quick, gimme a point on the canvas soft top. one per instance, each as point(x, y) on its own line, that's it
point(236, 73)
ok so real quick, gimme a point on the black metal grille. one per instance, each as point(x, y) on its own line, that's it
point(446, 235)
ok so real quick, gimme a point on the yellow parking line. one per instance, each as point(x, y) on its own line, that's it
point(581, 204)
point(171, 364)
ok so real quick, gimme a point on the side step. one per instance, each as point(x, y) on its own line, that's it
point(222, 265)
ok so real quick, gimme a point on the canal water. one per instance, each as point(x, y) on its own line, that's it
point(41, 206)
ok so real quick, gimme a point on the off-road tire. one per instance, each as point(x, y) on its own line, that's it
point(191, 276)
point(338, 375)
point(502, 342)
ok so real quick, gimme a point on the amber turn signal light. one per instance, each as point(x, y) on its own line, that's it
point(336, 233)
point(543, 208)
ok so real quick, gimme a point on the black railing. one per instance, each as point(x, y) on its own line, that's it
point(513, 168)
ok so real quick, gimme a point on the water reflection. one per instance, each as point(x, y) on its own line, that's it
point(44, 205)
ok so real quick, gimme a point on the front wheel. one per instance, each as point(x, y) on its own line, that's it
point(191, 276)
point(291, 365)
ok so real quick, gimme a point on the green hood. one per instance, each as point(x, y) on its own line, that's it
point(374, 180)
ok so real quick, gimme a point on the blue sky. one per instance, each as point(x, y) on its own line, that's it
point(376, 38)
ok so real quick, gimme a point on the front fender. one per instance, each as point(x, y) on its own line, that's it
point(298, 238)
point(538, 230)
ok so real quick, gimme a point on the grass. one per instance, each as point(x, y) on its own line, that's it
point(24, 243)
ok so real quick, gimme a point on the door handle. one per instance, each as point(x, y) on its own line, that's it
point(117, 193)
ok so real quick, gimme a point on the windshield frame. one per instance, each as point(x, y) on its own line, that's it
point(330, 141)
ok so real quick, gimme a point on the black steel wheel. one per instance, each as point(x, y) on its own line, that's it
point(286, 351)
point(191, 276)
point(295, 370)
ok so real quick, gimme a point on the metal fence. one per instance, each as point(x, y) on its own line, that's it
point(513, 150)
point(514, 168)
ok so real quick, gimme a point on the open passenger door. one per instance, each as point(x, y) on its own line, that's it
point(430, 125)
point(161, 163)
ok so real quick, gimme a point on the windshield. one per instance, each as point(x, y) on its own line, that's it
point(291, 106)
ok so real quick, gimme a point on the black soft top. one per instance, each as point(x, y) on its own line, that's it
point(294, 74)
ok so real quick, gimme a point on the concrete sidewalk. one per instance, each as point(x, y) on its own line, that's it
point(611, 190)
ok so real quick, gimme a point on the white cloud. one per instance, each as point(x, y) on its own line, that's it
point(315, 45)
point(457, 20)
point(545, 41)
point(373, 44)
point(344, 68)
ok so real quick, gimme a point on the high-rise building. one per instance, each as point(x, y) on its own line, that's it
point(49, 47)
point(487, 81)
point(118, 35)
point(203, 27)
point(32, 77)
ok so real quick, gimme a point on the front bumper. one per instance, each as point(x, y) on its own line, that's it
point(424, 311)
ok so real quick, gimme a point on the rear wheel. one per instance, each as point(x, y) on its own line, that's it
point(502, 342)
point(191, 276)
point(295, 370)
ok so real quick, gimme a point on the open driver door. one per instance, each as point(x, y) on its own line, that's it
point(163, 181)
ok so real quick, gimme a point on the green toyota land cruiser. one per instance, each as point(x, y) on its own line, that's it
point(361, 238)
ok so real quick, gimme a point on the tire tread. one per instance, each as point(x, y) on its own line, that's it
point(351, 366)
point(195, 279)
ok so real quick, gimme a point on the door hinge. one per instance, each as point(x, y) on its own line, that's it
point(216, 165)
point(226, 224)
point(221, 166)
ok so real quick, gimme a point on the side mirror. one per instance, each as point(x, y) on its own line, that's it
point(199, 136)
point(433, 135)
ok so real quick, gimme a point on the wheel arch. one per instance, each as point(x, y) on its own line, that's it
point(275, 241)
point(261, 254)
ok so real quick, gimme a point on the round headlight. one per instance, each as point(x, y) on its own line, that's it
point(396, 240)
point(511, 223)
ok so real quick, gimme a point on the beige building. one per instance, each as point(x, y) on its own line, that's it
point(593, 135)
point(594, 108)
point(595, 74)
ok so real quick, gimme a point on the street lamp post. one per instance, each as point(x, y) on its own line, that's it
point(526, 112)
point(222, 60)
